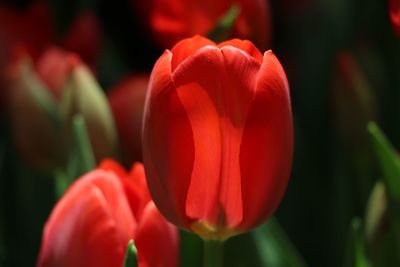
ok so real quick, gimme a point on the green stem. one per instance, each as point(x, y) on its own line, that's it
point(213, 253)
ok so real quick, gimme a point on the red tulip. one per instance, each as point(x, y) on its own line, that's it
point(394, 10)
point(65, 84)
point(33, 30)
point(127, 103)
point(170, 21)
point(31, 27)
point(217, 136)
point(93, 222)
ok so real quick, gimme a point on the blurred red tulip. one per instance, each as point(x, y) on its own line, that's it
point(84, 37)
point(171, 21)
point(93, 222)
point(217, 136)
point(127, 103)
point(44, 98)
point(394, 10)
point(31, 28)
point(21, 28)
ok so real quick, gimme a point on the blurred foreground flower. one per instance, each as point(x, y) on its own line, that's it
point(93, 222)
point(127, 103)
point(217, 136)
point(171, 21)
point(394, 11)
point(44, 98)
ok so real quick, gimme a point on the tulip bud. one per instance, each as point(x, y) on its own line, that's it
point(394, 11)
point(42, 102)
point(83, 95)
point(217, 136)
point(127, 103)
point(92, 223)
point(35, 119)
point(171, 21)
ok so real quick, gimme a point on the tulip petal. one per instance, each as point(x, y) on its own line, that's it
point(267, 144)
point(244, 45)
point(217, 103)
point(186, 48)
point(90, 226)
point(53, 67)
point(167, 144)
point(136, 190)
point(157, 240)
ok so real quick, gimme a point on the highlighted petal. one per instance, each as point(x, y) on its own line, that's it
point(186, 48)
point(244, 45)
point(217, 103)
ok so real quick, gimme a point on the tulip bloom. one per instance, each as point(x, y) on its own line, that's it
point(44, 98)
point(93, 222)
point(394, 11)
point(127, 103)
point(170, 21)
point(217, 136)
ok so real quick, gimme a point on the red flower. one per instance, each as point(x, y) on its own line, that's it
point(170, 21)
point(217, 136)
point(394, 10)
point(93, 222)
point(43, 98)
point(33, 29)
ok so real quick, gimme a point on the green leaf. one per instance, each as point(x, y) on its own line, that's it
point(388, 160)
point(356, 255)
point(82, 142)
point(223, 28)
point(81, 159)
point(131, 255)
point(274, 246)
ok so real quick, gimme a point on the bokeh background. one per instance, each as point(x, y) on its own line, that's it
point(342, 58)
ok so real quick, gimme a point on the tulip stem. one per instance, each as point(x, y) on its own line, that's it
point(213, 253)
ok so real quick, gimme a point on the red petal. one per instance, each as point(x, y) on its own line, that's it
point(157, 240)
point(186, 48)
point(136, 189)
point(267, 144)
point(246, 46)
point(167, 144)
point(53, 68)
point(113, 166)
point(90, 225)
point(216, 88)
